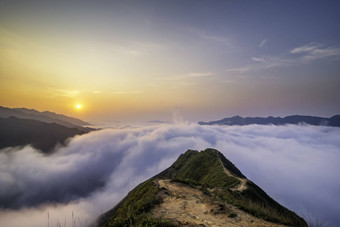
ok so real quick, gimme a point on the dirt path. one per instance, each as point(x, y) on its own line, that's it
point(242, 186)
point(243, 181)
point(189, 206)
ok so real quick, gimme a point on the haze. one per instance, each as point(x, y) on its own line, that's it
point(145, 60)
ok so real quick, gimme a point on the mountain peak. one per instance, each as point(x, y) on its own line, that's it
point(199, 188)
point(208, 167)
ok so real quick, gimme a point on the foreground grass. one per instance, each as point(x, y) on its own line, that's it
point(135, 209)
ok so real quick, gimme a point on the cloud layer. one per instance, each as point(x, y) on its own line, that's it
point(296, 165)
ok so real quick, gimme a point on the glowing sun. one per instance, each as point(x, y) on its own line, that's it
point(79, 106)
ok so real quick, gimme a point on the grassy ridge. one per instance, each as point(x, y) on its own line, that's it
point(200, 168)
point(204, 168)
point(205, 171)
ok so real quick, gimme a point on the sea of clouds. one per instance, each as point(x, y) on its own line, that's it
point(297, 165)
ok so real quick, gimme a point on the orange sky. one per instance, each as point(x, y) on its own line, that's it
point(145, 61)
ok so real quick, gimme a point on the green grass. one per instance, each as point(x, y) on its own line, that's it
point(260, 206)
point(135, 209)
point(201, 168)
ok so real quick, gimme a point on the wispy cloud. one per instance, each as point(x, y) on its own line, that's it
point(314, 51)
point(242, 69)
point(188, 75)
point(71, 93)
point(62, 92)
point(262, 43)
point(270, 62)
point(262, 63)
point(258, 59)
point(299, 55)
point(128, 51)
point(185, 80)
point(200, 74)
point(211, 37)
point(137, 49)
point(127, 92)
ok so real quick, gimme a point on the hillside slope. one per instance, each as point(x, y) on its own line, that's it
point(199, 189)
point(41, 135)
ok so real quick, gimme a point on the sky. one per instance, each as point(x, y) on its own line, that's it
point(297, 165)
point(151, 60)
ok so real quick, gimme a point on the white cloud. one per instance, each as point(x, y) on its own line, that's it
point(261, 63)
point(314, 51)
point(258, 59)
point(305, 49)
point(262, 43)
point(200, 74)
point(296, 165)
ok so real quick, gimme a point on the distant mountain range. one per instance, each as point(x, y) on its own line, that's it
point(293, 119)
point(42, 130)
point(199, 189)
point(46, 116)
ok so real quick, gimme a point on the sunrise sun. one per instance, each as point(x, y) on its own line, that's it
point(79, 106)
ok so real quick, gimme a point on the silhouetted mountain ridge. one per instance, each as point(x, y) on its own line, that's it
point(42, 130)
point(43, 136)
point(293, 119)
point(46, 116)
